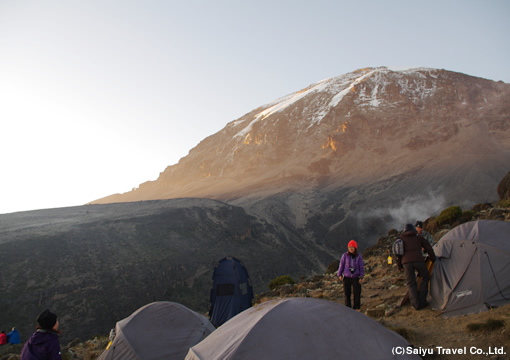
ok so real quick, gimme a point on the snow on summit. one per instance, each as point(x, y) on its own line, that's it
point(283, 103)
point(338, 86)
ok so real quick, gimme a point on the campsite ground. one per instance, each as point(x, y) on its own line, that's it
point(483, 335)
point(428, 330)
point(425, 329)
point(381, 295)
point(382, 292)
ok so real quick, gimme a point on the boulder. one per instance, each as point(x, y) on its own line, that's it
point(504, 188)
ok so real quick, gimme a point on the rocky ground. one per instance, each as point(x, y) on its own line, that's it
point(384, 289)
point(382, 293)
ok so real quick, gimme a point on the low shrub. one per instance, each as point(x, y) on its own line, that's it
point(281, 280)
point(489, 325)
point(504, 203)
point(405, 333)
point(449, 215)
point(467, 215)
point(392, 232)
point(333, 267)
point(481, 207)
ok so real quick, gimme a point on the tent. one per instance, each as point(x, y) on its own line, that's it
point(231, 292)
point(472, 267)
point(160, 330)
point(300, 328)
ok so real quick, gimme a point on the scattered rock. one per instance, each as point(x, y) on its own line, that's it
point(375, 313)
point(504, 188)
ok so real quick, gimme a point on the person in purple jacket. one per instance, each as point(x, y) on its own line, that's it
point(43, 344)
point(351, 271)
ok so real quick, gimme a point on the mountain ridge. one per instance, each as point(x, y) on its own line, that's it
point(330, 158)
point(266, 146)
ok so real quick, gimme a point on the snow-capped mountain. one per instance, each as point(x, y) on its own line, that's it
point(283, 188)
point(353, 146)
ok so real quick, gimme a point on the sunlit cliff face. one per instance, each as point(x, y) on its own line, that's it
point(357, 124)
point(256, 140)
point(330, 143)
point(344, 126)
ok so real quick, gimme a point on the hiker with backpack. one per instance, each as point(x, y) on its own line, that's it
point(351, 271)
point(412, 260)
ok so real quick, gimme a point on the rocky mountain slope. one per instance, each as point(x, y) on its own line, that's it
point(98, 263)
point(332, 155)
point(382, 293)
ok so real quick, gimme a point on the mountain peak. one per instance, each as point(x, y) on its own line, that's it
point(335, 89)
point(373, 136)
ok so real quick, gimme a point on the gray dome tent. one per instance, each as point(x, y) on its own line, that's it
point(160, 330)
point(472, 267)
point(300, 328)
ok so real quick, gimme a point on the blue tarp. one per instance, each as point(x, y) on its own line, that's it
point(231, 293)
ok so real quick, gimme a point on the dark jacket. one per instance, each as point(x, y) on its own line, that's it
point(413, 243)
point(42, 345)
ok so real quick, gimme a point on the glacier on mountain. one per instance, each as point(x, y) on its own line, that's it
point(339, 87)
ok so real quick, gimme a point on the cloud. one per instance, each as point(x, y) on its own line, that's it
point(410, 209)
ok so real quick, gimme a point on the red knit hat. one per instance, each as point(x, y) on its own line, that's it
point(352, 243)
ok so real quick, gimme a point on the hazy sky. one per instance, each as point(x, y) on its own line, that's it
point(97, 97)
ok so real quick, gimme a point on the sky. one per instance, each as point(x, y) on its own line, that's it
point(99, 96)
